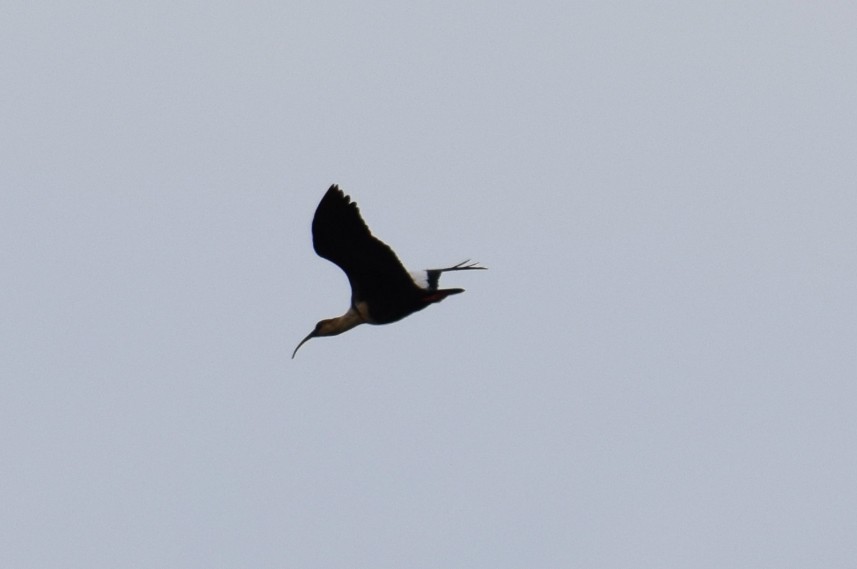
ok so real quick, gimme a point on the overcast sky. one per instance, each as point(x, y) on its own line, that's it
point(659, 370)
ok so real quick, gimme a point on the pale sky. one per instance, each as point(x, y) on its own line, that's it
point(658, 370)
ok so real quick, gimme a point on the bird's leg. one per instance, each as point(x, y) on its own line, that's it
point(433, 275)
point(462, 266)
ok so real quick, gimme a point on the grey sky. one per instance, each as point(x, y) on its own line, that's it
point(657, 371)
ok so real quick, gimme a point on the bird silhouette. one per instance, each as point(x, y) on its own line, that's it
point(382, 290)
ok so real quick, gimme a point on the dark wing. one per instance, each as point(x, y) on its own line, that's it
point(341, 236)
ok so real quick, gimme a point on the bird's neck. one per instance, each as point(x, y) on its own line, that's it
point(343, 323)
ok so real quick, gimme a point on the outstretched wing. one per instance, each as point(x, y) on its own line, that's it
point(341, 236)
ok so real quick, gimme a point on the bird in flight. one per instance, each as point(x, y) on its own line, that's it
point(382, 290)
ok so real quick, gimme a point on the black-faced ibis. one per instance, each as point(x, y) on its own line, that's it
point(382, 290)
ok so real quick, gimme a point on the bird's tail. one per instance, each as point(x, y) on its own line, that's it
point(437, 295)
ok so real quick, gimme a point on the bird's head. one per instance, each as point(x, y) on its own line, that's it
point(334, 326)
point(323, 328)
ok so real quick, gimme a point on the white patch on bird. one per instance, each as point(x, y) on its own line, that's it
point(420, 278)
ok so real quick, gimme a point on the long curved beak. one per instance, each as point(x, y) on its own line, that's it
point(311, 335)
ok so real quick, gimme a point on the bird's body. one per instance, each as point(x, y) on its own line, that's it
point(382, 291)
